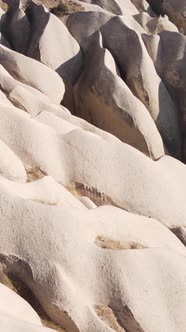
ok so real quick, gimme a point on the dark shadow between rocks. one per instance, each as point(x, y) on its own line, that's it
point(156, 6)
point(180, 232)
point(128, 40)
point(39, 20)
point(172, 71)
point(6, 30)
point(173, 145)
point(70, 72)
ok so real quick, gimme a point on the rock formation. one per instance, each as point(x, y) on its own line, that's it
point(92, 173)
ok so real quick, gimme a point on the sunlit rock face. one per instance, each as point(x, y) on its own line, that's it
point(92, 173)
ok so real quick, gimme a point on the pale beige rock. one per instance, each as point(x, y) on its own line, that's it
point(11, 166)
point(154, 190)
point(175, 9)
point(56, 46)
point(87, 6)
point(27, 100)
point(20, 94)
point(33, 73)
point(77, 122)
point(143, 6)
point(60, 125)
point(8, 324)
point(154, 25)
point(101, 248)
point(44, 191)
point(134, 65)
point(117, 7)
point(4, 99)
point(136, 183)
point(91, 226)
point(87, 202)
point(16, 307)
point(38, 105)
point(103, 99)
point(152, 92)
point(17, 315)
point(76, 22)
point(24, 128)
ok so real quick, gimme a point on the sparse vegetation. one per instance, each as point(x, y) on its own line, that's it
point(34, 173)
point(107, 315)
point(108, 243)
point(66, 7)
point(57, 7)
point(3, 5)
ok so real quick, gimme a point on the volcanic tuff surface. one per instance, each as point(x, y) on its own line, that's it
point(92, 166)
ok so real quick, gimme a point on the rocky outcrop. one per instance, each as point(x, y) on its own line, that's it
point(175, 9)
point(154, 25)
point(102, 98)
point(92, 183)
point(16, 314)
point(169, 62)
point(117, 7)
point(32, 73)
point(11, 167)
point(95, 241)
point(134, 67)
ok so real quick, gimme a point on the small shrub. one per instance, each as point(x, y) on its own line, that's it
point(3, 5)
point(66, 7)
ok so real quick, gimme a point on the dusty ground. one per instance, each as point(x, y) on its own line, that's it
point(58, 7)
point(61, 7)
point(3, 5)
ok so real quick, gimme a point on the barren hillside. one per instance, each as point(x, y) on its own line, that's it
point(92, 166)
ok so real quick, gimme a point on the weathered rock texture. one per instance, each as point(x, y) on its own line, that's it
point(92, 173)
